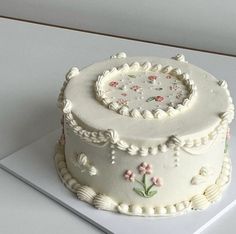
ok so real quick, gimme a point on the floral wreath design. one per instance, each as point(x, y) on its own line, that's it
point(147, 189)
point(122, 104)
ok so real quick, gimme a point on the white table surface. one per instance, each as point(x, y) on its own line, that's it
point(197, 24)
point(33, 61)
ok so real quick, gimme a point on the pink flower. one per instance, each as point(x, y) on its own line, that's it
point(152, 77)
point(158, 181)
point(129, 175)
point(122, 101)
point(159, 98)
point(113, 83)
point(145, 168)
point(135, 88)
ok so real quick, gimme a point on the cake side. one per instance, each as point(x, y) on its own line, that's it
point(86, 191)
point(147, 177)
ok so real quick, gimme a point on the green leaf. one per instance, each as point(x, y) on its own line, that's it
point(150, 99)
point(144, 183)
point(144, 178)
point(149, 188)
point(132, 76)
point(140, 192)
point(152, 193)
point(140, 182)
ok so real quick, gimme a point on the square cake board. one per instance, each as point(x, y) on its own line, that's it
point(34, 165)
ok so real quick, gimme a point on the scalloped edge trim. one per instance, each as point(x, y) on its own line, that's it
point(110, 135)
point(146, 114)
point(100, 201)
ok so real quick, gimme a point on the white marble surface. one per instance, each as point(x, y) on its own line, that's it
point(33, 60)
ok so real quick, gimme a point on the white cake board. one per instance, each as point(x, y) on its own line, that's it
point(34, 165)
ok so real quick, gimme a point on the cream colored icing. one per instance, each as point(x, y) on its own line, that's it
point(180, 57)
point(114, 138)
point(100, 201)
point(119, 55)
point(80, 91)
point(176, 143)
point(156, 94)
point(81, 161)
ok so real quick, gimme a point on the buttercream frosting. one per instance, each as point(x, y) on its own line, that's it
point(145, 136)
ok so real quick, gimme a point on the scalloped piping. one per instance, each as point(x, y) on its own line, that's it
point(119, 55)
point(103, 137)
point(180, 58)
point(74, 71)
point(100, 201)
point(98, 137)
point(146, 114)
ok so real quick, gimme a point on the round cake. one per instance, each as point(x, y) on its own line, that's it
point(144, 136)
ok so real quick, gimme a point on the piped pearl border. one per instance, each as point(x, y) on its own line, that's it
point(98, 137)
point(112, 136)
point(100, 201)
point(146, 114)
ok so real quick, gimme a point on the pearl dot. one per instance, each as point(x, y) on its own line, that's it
point(176, 159)
point(177, 153)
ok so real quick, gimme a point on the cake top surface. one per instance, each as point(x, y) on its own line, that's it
point(145, 90)
point(147, 99)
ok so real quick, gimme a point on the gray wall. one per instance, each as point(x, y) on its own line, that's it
point(201, 24)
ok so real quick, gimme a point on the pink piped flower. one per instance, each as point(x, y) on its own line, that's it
point(145, 168)
point(122, 101)
point(129, 175)
point(157, 181)
point(135, 88)
point(152, 78)
point(113, 84)
point(159, 98)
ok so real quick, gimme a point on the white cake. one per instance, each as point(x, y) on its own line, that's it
point(145, 136)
